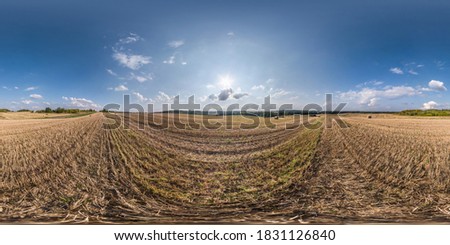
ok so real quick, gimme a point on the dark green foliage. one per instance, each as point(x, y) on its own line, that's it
point(63, 110)
point(425, 113)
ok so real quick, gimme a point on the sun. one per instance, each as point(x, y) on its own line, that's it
point(225, 81)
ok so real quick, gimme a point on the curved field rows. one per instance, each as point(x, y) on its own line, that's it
point(382, 170)
point(74, 170)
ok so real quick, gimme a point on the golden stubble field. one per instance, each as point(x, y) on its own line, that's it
point(30, 115)
point(385, 169)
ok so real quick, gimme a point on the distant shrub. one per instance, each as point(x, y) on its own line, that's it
point(4, 110)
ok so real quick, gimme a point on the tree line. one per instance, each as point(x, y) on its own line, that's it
point(63, 110)
point(432, 112)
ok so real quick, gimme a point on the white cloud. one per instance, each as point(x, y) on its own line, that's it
point(396, 70)
point(27, 102)
point(412, 72)
point(133, 62)
point(230, 34)
point(373, 102)
point(163, 97)
point(120, 88)
point(270, 81)
point(140, 97)
point(210, 86)
point(258, 87)
point(81, 102)
point(370, 96)
point(398, 91)
point(111, 72)
point(16, 88)
point(176, 43)
point(437, 85)
point(4, 87)
point(370, 83)
point(184, 63)
point(142, 77)
point(170, 61)
point(36, 96)
point(430, 105)
point(130, 39)
point(278, 93)
point(31, 88)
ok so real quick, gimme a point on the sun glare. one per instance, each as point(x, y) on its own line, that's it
point(225, 82)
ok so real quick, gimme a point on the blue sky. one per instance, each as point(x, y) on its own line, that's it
point(374, 55)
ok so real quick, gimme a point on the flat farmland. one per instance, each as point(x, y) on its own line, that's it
point(30, 115)
point(387, 169)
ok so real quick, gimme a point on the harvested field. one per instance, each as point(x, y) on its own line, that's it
point(31, 115)
point(385, 169)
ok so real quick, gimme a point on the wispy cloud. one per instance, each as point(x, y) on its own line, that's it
point(370, 83)
point(277, 93)
point(31, 88)
point(27, 102)
point(121, 88)
point(440, 64)
point(133, 37)
point(370, 96)
point(176, 43)
point(111, 72)
point(396, 70)
point(163, 97)
point(141, 97)
point(412, 72)
point(170, 61)
point(81, 103)
point(258, 87)
point(131, 61)
point(142, 77)
point(36, 96)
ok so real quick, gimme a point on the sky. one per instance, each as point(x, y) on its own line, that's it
point(372, 55)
